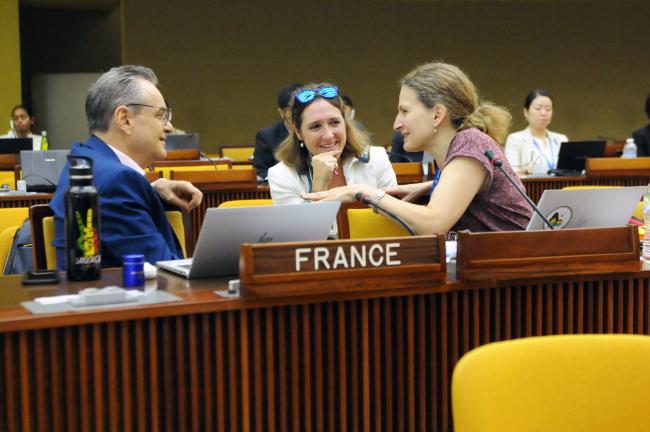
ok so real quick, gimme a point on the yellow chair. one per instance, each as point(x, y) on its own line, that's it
point(13, 217)
point(554, 383)
point(6, 238)
point(8, 177)
point(166, 171)
point(237, 153)
point(174, 217)
point(48, 237)
point(246, 203)
point(365, 223)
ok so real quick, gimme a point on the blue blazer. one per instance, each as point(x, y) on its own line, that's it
point(132, 216)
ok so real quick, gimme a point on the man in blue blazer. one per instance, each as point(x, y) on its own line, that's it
point(128, 120)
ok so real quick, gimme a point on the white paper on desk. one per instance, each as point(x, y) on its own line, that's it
point(54, 299)
point(130, 294)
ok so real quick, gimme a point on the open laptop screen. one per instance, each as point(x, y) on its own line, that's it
point(15, 145)
point(573, 154)
point(225, 229)
point(586, 208)
point(42, 169)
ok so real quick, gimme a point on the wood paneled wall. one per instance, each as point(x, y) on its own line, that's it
point(222, 64)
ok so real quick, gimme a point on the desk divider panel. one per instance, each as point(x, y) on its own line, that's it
point(211, 179)
point(502, 255)
point(617, 167)
point(284, 269)
point(186, 154)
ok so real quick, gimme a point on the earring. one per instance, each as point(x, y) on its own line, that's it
point(435, 130)
point(302, 144)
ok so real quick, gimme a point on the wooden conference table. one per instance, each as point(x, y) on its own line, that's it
point(365, 360)
point(535, 186)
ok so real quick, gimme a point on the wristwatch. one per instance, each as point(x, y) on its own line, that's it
point(378, 196)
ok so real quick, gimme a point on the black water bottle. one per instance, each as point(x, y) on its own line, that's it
point(83, 257)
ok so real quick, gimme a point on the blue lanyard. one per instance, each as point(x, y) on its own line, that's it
point(436, 179)
point(550, 163)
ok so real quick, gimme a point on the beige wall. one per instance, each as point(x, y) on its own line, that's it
point(10, 94)
point(221, 65)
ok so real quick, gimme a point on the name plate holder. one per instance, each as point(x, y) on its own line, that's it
point(533, 254)
point(331, 266)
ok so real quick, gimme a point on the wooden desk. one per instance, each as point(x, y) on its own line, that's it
point(379, 360)
point(535, 186)
point(25, 200)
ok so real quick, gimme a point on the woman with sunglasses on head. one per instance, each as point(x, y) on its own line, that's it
point(439, 112)
point(535, 150)
point(324, 149)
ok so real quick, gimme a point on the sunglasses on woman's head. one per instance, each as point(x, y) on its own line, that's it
point(328, 92)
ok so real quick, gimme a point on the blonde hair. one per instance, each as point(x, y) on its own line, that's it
point(292, 154)
point(445, 84)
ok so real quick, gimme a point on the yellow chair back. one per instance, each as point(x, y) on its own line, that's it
point(238, 154)
point(48, 237)
point(8, 177)
point(6, 238)
point(167, 170)
point(13, 217)
point(174, 217)
point(246, 203)
point(554, 383)
point(365, 223)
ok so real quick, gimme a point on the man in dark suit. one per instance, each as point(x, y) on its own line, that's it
point(128, 120)
point(268, 139)
point(642, 136)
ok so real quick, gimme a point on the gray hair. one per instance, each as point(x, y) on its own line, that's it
point(118, 86)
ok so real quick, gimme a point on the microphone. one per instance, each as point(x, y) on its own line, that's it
point(214, 161)
point(365, 199)
point(498, 163)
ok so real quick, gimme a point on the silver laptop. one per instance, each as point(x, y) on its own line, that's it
point(586, 208)
point(225, 229)
point(42, 169)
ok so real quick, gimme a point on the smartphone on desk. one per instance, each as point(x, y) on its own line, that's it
point(40, 277)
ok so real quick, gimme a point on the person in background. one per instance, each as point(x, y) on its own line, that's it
point(642, 136)
point(439, 112)
point(348, 106)
point(535, 150)
point(268, 139)
point(22, 123)
point(397, 152)
point(128, 120)
point(324, 149)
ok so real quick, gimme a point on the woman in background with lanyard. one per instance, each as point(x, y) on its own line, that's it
point(535, 149)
